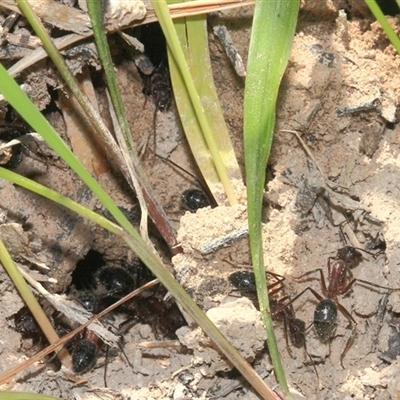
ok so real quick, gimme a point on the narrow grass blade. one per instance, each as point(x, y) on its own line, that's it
point(192, 33)
point(31, 302)
point(146, 196)
point(59, 199)
point(156, 212)
point(380, 17)
point(271, 38)
point(21, 103)
point(185, 90)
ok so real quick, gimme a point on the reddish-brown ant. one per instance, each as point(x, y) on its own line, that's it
point(244, 281)
point(340, 281)
point(294, 328)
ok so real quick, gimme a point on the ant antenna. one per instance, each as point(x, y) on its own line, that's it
point(203, 186)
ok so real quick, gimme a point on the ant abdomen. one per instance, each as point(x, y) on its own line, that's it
point(193, 199)
point(325, 319)
point(244, 281)
point(84, 356)
point(297, 329)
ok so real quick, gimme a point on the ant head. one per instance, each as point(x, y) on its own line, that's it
point(26, 324)
point(349, 255)
point(88, 300)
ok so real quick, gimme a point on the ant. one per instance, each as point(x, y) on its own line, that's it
point(110, 283)
point(84, 352)
point(157, 86)
point(164, 318)
point(244, 281)
point(340, 281)
point(83, 347)
point(194, 199)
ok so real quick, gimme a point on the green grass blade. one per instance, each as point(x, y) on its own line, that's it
point(28, 111)
point(271, 39)
point(21, 103)
point(380, 17)
point(192, 34)
point(59, 199)
point(187, 84)
point(156, 212)
point(31, 302)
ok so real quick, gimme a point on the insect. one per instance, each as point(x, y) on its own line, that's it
point(194, 199)
point(165, 318)
point(294, 328)
point(110, 283)
point(158, 87)
point(84, 351)
point(83, 346)
point(340, 281)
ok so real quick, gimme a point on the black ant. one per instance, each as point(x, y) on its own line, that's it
point(193, 199)
point(83, 347)
point(294, 328)
point(340, 281)
point(165, 318)
point(244, 281)
point(84, 351)
point(110, 283)
point(157, 86)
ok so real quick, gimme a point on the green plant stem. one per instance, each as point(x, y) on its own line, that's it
point(165, 20)
point(59, 199)
point(380, 17)
point(19, 100)
point(96, 121)
point(193, 36)
point(271, 38)
point(31, 302)
point(126, 143)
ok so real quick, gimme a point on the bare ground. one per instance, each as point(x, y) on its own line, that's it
point(334, 64)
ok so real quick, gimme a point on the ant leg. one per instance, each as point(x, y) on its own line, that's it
point(318, 296)
point(353, 324)
point(277, 286)
point(285, 327)
point(375, 285)
point(322, 277)
point(361, 281)
point(313, 364)
point(105, 367)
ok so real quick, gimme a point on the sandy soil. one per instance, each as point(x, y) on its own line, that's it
point(340, 94)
